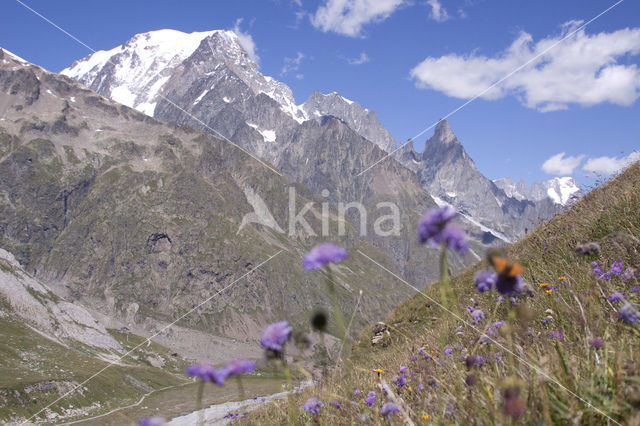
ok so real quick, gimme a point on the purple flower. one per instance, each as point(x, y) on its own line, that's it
point(152, 421)
point(606, 276)
point(401, 381)
point(448, 351)
point(628, 313)
point(207, 373)
point(336, 404)
point(434, 228)
point(596, 269)
point(402, 369)
point(323, 254)
point(485, 280)
point(413, 359)
point(492, 329)
point(477, 315)
point(276, 335)
point(634, 289)
point(455, 238)
point(356, 392)
point(389, 409)
point(497, 357)
point(596, 343)
point(420, 387)
point(616, 268)
point(616, 297)
point(313, 405)
point(371, 399)
point(421, 350)
point(556, 335)
point(432, 223)
point(239, 366)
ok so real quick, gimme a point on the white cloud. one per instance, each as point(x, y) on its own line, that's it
point(610, 165)
point(363, 58)
point(246, 41)
point(583, 69)
point(559, 165)
point(292, 64)
point(347, 17)
point(438, 13)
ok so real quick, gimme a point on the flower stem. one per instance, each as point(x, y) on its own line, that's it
point(336, 308)
point(445, 289)
point(199, 402)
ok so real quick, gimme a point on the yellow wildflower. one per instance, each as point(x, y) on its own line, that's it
point(544, 285)
point(379, 371)
point(549, 291)
point(425, 417)
point(410, 390)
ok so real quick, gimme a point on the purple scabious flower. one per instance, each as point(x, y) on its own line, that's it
point(596, 269)
point(336, 404)
point(628, 313)
point(421, 350)
point(420, 387)
point(448, 351)
point(616, 268)
point(401, 381)
point(313, 405)
point(477, 315)
point(616, 297)
point(634, 289)
point(413, 359)
point(402, 369)
point(152, 421)
point(323, 254)
point(596, 343)
point(207, 373)
point(492, 329)
point(276, 335)
point(556, 335)
point(356, 392)
point(239, 366)
point(433, 222)
point(606, 276)
point(435, 228)
point(497, 357)
point(485, 280)
point(389, 409)
point(371, 399)
point(455, 238)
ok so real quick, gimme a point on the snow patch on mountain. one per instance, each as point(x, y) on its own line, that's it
point(441, 203)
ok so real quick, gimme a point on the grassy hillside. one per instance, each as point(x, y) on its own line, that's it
point(531, 374)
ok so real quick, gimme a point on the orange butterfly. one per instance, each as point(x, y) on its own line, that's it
point(505, 267)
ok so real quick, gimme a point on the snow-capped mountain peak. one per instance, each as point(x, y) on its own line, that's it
point(133, 73)
point(561, 190)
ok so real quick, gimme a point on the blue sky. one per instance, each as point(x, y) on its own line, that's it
point(413, 62)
